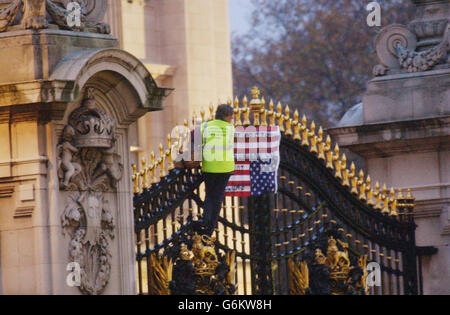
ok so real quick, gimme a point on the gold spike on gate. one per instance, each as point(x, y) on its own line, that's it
point(305, 132)
point(211, 111)
point(237, 112)
point(321, 154)
point(337, 162)
point(329, 153)
point(353, 179)
point(170, 165)
point(313, 138)
point(136, 188)
point(161, 162)
point(246, 111)
point(385, 199)
point(263, 113)
point(345, 172)
point(153, 179)
point(203, 115)
point(287, 112)
point(271, 113)
point(297, 126)
point(369, 191)
point(377, 195)
point(362, 185)
point(143, 174)
point(280, 117)
point(393, 203)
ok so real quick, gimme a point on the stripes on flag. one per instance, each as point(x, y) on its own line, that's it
point(255, 148)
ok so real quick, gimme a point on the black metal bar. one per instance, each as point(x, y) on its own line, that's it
point(261, 244)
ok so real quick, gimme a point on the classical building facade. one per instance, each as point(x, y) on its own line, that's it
point(185, 44)
point(71, 95)
point(402, 128)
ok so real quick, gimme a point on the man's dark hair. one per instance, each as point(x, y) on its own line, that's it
point(223, 111)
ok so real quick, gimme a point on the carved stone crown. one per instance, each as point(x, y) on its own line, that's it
point(93, 127)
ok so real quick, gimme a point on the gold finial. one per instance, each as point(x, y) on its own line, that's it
point(329, 153)
point(337, 162)
point(345, 173)
point(263, 112)
point(394, 212)
point(170, 165)
point(245, 102)
point(393, 202)
point(246, 112)
point(280, 117)
point(409, 195)
point(305, 132)
point(135, 178)
point(255, 92)
point(203, 114)
point(378, 196)
point(321, 155)
point(144, 173)
point(369, 191)
point(297, 126)
point(237, 112)
point(354, 179)
point(385, 199)
point(211, 111)
point(161, 162)
point(362, 186)
point(194, 118)
point(313, 138)
point(272, 113)
point(400, 194)
point(287, 112)
point(153, 179)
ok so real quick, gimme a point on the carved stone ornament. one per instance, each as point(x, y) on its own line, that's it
point(420, 46)
point(38, 14)
point(89, 167)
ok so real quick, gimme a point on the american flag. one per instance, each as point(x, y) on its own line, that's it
point(257, 158)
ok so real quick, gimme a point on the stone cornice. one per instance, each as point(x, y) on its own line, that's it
point(421, 135)
point(429, 208)
point(33, 92)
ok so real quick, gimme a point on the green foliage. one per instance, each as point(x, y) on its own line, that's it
point(316, 56)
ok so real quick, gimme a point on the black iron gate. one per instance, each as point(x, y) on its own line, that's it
point(319, 201)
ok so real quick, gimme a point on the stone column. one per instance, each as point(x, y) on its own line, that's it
point(402, 128)
point(67, 98)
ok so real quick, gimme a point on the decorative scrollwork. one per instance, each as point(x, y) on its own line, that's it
point(35, 15)
point(421, 61)
point(88, 167)
point(8, 14)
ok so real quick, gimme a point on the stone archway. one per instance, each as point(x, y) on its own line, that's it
point(67, 122)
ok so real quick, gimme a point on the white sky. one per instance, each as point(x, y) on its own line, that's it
point(240, 11)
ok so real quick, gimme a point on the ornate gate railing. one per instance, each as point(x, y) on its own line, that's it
point(315, 236)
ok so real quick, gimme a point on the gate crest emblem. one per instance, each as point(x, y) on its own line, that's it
point(89, 167)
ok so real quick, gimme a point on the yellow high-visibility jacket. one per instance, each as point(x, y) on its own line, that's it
point(218, 147)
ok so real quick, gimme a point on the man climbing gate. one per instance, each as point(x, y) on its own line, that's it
point(217, 155)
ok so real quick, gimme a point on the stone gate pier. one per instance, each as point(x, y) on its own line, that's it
point(402, 128)
point(67, 98)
